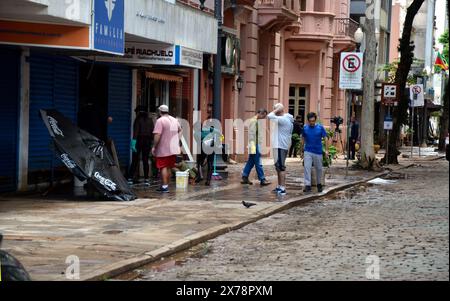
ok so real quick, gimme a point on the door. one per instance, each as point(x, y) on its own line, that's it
point(9, 117)
point(298, 101)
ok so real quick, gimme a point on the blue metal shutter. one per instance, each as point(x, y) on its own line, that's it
point(9, 117)
point(53, 84)
point(119, 108)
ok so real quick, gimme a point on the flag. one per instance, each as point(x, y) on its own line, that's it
point(440, 62)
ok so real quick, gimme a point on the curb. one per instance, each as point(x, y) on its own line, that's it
point(126, 265)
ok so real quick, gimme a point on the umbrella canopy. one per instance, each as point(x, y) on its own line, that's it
point(86, 157)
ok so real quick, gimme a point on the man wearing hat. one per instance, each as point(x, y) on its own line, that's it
point(166, 145)
point(141, 143)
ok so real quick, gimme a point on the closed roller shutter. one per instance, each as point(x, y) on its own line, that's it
point(119, 108)
point(9, 117)
point(53, 85)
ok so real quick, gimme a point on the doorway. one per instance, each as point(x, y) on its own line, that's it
point(298, 101)
point(93, 99)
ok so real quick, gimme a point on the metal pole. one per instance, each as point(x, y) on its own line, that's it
point(387, 143)
point(349, 103)
point(412, 130)
point(217, 85)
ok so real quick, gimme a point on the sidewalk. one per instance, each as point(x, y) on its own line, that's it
point(111, 237)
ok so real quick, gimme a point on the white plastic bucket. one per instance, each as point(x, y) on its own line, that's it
point(182, 178)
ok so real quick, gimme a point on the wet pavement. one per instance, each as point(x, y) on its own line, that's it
point(402, 220)
point(107, 236)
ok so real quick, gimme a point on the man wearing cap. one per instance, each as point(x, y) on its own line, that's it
point(141, 143)
point(166, 145)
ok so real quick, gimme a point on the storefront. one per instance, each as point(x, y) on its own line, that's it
point(9, 116)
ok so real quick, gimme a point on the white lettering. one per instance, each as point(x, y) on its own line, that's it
point(73, 270)
point(107, 183)
point(54, 125)
point(73, 11)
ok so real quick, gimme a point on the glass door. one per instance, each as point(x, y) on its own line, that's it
point(298, 99)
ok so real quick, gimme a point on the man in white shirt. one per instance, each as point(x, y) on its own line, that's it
point(281, 141)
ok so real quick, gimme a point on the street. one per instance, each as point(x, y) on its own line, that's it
point(401, 220)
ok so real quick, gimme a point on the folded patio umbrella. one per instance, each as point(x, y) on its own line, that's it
point(86, 157)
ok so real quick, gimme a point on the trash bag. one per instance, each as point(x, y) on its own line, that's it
point(11, 269)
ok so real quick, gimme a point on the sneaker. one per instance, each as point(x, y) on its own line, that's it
point(147, 182)
point(319, 188)
point(162, 190)
point(276, 190)
point(130, 181)
point(265, 183)
point(246, 181)
point(307, 189)
point(281, 192)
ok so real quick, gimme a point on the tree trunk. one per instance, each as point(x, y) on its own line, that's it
point(406, 48)
point(368, 158)
point(444, 119)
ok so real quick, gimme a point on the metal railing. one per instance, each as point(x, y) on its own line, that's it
point(345, 27)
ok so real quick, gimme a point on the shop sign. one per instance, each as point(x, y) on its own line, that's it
point(190, 57)
point(108, 32)
point(45, 35)
point(146, 53)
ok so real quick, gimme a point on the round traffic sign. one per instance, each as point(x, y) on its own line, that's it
point(351, 63)
point(417, 90)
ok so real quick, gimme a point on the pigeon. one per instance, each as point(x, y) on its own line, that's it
point(248, 205)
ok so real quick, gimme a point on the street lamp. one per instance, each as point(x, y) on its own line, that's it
point(202, 4)
point(240, 83)
point(359, 37)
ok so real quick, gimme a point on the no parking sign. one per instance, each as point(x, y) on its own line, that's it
point(350, 75)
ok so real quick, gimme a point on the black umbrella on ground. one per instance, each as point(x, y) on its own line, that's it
point(86, 157)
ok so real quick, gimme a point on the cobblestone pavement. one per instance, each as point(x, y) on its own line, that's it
point(404, 223)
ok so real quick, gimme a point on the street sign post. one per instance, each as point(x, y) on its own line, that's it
point(389, 97)
point(417, 99)
point(350, 78)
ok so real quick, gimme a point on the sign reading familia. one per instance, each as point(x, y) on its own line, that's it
point(350, 73)
point(108, 26)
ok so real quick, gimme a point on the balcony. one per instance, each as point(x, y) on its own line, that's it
point(274, 15)
point(344, 33)
point(314, 28)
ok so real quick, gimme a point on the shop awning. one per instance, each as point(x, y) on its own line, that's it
point(162, 76)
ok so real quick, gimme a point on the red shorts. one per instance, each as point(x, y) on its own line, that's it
point(166, 162)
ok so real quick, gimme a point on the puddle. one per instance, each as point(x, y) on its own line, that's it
point(165, 264)
point(112, 232)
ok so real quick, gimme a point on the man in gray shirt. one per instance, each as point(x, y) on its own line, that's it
point(281, 141)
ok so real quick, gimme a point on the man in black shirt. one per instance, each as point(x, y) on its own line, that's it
point(141, 143)
point(354, 136)
point(296, 136)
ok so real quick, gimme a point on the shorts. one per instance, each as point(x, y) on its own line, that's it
point(166, 162)
point(280, 156)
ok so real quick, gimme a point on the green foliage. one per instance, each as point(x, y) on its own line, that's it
point(443, 39)
point(391, 69)
point(297, 141)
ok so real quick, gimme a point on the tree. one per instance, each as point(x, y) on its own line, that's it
point(406, 49)
point(368, 158)
point(444, 119)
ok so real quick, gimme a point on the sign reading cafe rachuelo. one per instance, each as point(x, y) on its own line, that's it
point(108, 32)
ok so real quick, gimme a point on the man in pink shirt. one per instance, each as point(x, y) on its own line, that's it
point(166, 145)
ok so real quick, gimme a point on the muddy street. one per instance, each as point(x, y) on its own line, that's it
point(398, 224)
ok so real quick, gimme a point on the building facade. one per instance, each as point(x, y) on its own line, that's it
point(91, 60)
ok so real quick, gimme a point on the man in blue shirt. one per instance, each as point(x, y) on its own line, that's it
point(312, 139)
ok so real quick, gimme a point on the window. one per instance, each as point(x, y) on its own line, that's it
point(297, 100)
point(319, 5)
point(302, 5)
